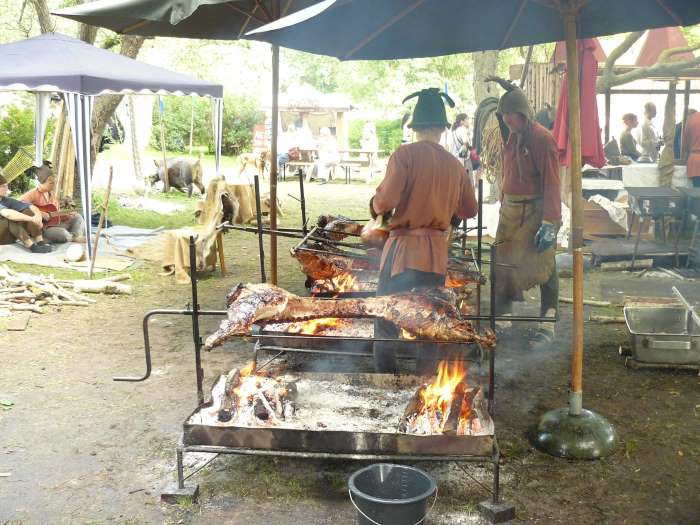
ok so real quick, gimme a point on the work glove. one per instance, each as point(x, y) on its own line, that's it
point(545, 237)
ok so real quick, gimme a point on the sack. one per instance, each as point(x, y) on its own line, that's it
point(294, 154)
point(474, 157)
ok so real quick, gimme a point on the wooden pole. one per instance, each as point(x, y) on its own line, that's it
point(526, 67)
point(572, 69)
point(191, 122)
point(686, 103)
point(103, 217)
point(607, 116)
point(161, 112)
point(273, 162)
point(273, 148)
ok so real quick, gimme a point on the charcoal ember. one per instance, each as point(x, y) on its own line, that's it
point(374, 413)
point(321, 424)
point(224, 416)
point(260, 411)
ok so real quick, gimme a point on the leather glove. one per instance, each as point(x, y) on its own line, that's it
point(372, 213)
point(545, 237)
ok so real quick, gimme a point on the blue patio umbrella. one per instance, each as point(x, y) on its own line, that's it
point(395, 29)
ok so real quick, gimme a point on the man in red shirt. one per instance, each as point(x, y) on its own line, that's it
point(530, 213)
point(425, 186)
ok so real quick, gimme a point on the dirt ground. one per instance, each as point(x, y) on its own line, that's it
point(77, 447)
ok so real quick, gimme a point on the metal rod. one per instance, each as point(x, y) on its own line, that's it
point(304, 239)
point(302, 202)
point(479, 221)
point(273, 154)
point(195, 322)
point(180, 469)
point(258, 215)
point(496, 473)
point(146, 338)
point(492, 359)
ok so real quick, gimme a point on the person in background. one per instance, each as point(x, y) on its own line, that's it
point(677, 153)
point(20, 221)
point(285, 142)
point(426, 188)
point(648, 137)
point(328, 156)
point(71, 227)
point(530, 213)
point(628, 145)
point(370, 142)
point(456, 140)
point(691, 142)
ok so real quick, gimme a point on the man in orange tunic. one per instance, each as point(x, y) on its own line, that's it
point(530, 213)
point(691, 146)
point(426, 187)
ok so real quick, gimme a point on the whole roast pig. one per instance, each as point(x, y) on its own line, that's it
point(182, 174)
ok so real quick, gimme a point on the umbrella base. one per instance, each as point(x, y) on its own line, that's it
point(585, 436)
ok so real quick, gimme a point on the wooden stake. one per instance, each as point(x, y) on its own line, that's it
point(166, 181)
point(103, 216)
point(572, 69)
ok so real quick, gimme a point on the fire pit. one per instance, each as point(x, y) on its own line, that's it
point(348, 414)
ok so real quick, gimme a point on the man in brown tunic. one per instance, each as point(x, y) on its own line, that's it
point(530, 213)
point(426, 187)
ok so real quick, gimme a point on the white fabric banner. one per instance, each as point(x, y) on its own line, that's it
point(79, 115)
point(41, 113)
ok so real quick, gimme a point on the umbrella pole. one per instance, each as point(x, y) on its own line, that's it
point(273, 161)
point(574, 432)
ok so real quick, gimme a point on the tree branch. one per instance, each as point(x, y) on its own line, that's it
point(667, 53)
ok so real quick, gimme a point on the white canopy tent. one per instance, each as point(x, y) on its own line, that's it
point(53, 63)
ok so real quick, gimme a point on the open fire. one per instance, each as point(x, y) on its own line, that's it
point(250, 399)
point(444, 406)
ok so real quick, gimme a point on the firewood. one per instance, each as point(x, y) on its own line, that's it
point(455, 410)
point(266, 404)
point(117, 278)
point(414, 407)
point(229, 400)
point(107, 287)
point(26, 308)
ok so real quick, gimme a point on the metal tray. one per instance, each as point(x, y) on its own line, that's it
point(663, 335)
point(344, 442)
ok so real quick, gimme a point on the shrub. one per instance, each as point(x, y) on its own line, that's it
point(17, 130)
point(176, 118)
point(389, 135)
point(241, 114)
point(355, 133)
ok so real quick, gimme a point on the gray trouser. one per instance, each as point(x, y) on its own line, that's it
point(24, 231)
point(66, 230)
point(385, 352)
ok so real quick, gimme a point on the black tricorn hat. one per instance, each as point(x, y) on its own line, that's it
point(430, 109)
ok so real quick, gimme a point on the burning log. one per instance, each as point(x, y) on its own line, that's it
point(455, 411)
point(229, 399)
point(260, 410)
point(415, 406)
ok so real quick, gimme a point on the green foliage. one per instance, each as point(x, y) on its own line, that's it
point(355, 133)
point(241, 113)
point(17, 130)
point(177, 115)
point(389, 134)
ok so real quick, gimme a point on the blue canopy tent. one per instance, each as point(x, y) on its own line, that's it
point(53, 63)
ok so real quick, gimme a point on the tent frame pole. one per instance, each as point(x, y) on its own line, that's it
point(273, 149)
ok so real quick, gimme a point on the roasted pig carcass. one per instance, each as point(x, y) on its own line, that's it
point(326, 266)
point(427, 314)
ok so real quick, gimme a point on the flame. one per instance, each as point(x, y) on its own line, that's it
point(455, 281)
point(248, 369)
point(438, 394)
point(405, 334)
point(315, 326)
point(345, 282)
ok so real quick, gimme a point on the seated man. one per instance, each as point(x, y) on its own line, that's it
point(628, 145)
point(328, 156)
point(71, 227)
point(20, 221)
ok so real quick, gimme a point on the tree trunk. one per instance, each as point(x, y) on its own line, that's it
point(105, 105)
point(485, 64)
point(44, 15)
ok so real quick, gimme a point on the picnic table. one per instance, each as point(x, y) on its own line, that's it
point(349, 159)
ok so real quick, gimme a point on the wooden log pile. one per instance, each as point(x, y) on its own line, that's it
point(35, 293)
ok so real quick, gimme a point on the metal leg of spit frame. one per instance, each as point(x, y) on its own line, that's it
point(494, 510)
point(258, 216)
point(178, 492)
point(302, 202)
point(195, 323)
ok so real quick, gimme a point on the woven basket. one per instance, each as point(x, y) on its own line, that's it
point(19, 163)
